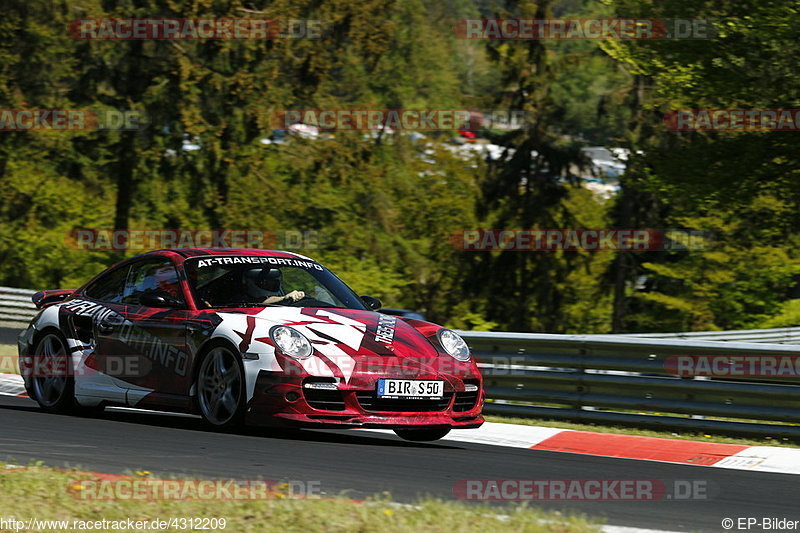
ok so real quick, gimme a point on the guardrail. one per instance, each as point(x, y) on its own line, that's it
point(622, 379)
point(16, 305)
point(772, 336)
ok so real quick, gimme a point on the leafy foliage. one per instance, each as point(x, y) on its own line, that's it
point(384, 207)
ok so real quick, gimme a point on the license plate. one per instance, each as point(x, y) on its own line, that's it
point(410, 388)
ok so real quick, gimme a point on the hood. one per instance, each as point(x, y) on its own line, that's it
point(352, 331)
point(349, 342)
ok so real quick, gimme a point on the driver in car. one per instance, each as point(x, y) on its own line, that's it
point(264, 284)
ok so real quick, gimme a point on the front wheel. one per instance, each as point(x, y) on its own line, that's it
point(220, 388)
point(422, 435)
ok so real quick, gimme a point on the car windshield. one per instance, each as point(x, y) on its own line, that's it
point(257, 281)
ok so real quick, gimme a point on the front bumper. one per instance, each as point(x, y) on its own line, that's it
point(283, 401)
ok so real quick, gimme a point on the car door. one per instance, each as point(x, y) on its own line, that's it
point(92, 321)
point(156, 334)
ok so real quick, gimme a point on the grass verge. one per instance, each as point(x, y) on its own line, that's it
point(625, 430)
point(49, 494)
point(8, 359)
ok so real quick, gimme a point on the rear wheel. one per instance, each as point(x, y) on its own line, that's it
point(52, 385)
point(220, 388)
point(422, 435)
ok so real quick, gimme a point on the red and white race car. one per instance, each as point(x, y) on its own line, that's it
point(246, 336)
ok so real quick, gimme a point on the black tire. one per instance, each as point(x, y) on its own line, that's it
point(52, 385)
point(422, 435)
point(220, 388)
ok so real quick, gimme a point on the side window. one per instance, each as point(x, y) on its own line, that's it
point(109, 287)
point(152, 276)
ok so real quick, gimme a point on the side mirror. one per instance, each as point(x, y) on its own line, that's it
point(371, 302)
point(158, 299)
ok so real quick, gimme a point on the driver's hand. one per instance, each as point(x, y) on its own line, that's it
point(295, 296)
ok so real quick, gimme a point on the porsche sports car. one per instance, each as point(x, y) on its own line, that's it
point(246, 336)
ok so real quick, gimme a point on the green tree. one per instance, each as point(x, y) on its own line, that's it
point(740, 186)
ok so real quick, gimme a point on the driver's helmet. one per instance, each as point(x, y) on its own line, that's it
point(164, 279)
point(263, 281)
point(161, 279)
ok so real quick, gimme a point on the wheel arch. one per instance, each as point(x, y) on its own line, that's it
point(202, 353)
point(38, 335)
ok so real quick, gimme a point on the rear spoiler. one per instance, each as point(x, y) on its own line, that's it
point(44, 298)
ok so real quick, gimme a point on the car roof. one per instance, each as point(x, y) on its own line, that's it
point(193, 252)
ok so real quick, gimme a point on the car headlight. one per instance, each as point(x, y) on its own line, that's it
point(291, 342)
point(453, 344)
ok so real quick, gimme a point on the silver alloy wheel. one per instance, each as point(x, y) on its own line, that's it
point(219, 386)
point(50, 370)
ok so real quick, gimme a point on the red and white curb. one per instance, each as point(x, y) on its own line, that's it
point(689, 452)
